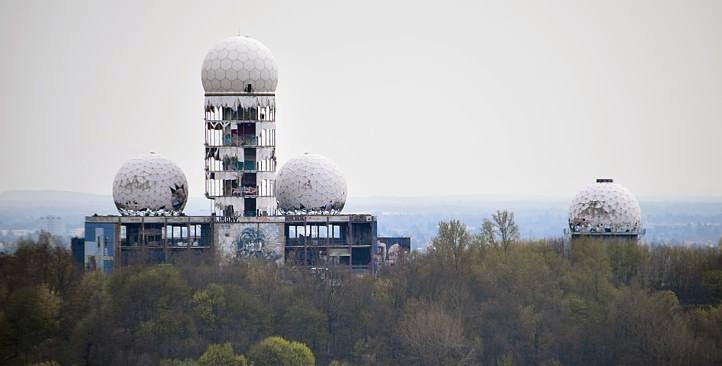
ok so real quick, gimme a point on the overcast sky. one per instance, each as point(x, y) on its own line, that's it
point(509, 98)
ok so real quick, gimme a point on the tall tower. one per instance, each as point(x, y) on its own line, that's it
point(239, 77)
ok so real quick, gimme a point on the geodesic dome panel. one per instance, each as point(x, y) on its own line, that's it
point(310, 184)
point(605, 206)
point(150, 185)
point(235, 62)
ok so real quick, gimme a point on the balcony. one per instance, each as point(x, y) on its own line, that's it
point(234, 165)
point(240, 140)
point(249, 191)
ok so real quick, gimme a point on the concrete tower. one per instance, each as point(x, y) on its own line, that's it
point(239, 77)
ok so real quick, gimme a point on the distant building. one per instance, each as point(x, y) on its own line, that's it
point(53, 225)
point(77, 250)
point(293, 217)
point(341, 241)
point(605, 210)
point(390, 248)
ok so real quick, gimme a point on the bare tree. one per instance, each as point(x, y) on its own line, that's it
point(432, 336)
point(501, 231)
point(452, 240)
point(488, 234)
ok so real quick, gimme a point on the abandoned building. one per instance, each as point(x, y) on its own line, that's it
point(341, 241)
point(293, 217)
point(605, 210)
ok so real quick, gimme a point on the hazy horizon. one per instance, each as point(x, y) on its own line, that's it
point(497, 98)
point(490, 197)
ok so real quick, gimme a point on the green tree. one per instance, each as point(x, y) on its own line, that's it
point(712, 286)
point(45, 363)
point(142, 313)
point(228, 313)
point(627, 260)
point(706, 325)
point(276, 351)
point(647, 329)
point(172, 362)
point(32, 315)
point(221, 355)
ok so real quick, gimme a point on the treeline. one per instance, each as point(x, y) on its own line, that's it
point(474, 298)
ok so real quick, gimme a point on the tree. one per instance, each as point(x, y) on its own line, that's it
point(531, 304)
point(171, 362)
point(451, 242)
point(144, 312)
point(712, 286)
point(276, 351)
point(430, 336)
point(32, 315)
point(487, 237)
point(40, 262)
point(221, 355)
point(500, 231)
point(626, 259)
point(227, 313)
point(653, 322)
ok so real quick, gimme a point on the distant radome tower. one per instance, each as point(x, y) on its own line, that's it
point(605, 210)
point(239, 77)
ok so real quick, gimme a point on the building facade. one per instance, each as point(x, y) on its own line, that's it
point(339, 241)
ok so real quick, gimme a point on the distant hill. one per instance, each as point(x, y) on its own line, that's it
point(48, 196)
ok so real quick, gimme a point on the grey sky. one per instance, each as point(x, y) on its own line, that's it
point(409, 98)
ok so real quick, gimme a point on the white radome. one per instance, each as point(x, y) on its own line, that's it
point(605, 206)
point(310, 184)
point(235, 62)
point(150, 185)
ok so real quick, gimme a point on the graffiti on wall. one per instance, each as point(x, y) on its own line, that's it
point(178, 196)
point(252, 244)
point(241, 241)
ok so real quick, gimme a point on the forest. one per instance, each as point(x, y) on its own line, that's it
point(474, 298)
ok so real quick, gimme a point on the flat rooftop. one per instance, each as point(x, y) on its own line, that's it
point(222, 219)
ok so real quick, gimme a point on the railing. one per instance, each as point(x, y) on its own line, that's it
point(239, 141)
point(231, 164)
point(604, 229)
point(242, 140)
point(234, 165)
point(315, 242)
point(245, 191)
point(250, 191)
point(244, 119)
point(360, 268)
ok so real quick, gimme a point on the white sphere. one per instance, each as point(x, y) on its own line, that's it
point(310, 184)
point(151, 185)
point(605, 206)
point(235, 62)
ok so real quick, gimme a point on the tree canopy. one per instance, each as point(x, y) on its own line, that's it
point(466, 301)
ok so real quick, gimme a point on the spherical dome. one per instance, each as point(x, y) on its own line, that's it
point(310, 184)
point(235, 62)
point(151, 185)
point(605, 206)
